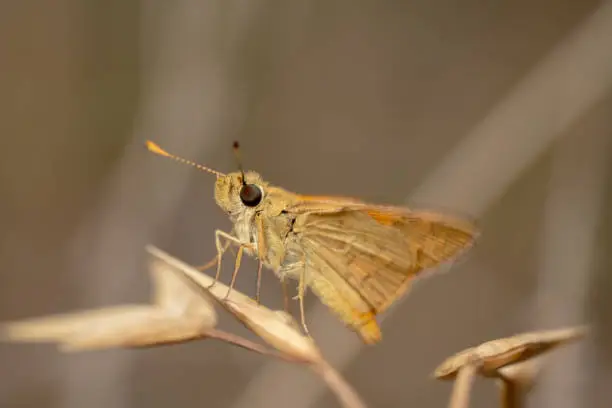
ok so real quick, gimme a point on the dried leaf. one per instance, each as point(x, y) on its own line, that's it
point(163, 262)
point(497, 356)
point(276, 328)
point(179, 312)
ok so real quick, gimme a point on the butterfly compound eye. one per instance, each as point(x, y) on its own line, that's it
point(250, 195)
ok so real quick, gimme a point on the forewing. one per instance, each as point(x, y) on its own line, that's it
point(379, 250)
point(433, 238)
point(360, 258)
point(364, 259)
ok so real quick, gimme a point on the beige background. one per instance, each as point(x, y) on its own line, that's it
point(500, 109)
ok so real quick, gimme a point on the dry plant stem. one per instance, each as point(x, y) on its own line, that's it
point(344, 392)
point(182, 310)
point(346, 395)
point(231, 339)
point(460, 398)
point(250, 345)
point(510, 393)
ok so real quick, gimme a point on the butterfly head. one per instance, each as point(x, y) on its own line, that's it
point(235, 192)
point(240, 191)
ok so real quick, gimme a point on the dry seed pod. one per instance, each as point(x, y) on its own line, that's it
point(277, 328)
point(495, 355)
point(514, 361)
point(178, 312)
point(182, 309)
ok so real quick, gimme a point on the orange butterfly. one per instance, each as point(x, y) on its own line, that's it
point(358, 258)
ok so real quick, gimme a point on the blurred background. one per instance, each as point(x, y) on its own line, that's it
point(500, 110)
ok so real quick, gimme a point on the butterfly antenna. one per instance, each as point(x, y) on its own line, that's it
point(154, 148)
point(238, 161)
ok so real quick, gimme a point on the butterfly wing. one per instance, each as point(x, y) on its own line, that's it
point(360, 259)
point(433, 237)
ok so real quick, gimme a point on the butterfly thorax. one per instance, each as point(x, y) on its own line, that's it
point(264, 235)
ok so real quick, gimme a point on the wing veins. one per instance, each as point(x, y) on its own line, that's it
point(355, 289)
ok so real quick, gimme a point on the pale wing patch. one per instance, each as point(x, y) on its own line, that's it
point(358, 261)
point(362, 258)
point(436, 243)
point(433, 238)
point(346, 304)
point(378, 258)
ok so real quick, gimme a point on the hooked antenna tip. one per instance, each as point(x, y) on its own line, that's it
point(153, 147)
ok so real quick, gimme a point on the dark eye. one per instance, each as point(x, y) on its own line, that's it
point(250, 195)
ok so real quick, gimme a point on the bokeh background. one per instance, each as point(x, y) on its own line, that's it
point(501, 110)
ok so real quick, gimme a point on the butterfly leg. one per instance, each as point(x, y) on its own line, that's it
point(257, 293)
point(213, 261)
point(301, 296)
point(261, 251)
point(220, 250)
point(236, 268)
point(283, 282)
